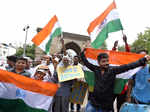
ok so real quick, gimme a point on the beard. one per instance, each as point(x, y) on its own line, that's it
point(105, 66)
point(66, 64)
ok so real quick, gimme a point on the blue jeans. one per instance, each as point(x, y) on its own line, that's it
point(90, 108)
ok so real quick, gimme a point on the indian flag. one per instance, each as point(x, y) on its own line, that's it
point(115, 59)
point(22, 94)
point(104, 24)
point(44, 38)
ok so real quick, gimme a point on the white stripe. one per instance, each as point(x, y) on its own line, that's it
point(111, 16)
point(43, 44)
point(129, 73)
point(126, 75)
point(35, 100)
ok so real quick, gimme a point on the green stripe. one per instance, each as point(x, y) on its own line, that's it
point(119, 85)
point(56, 33)
point(112, 26)
point(90, 79)
point(16, 105)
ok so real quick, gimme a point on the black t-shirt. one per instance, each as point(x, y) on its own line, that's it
point(102, 96)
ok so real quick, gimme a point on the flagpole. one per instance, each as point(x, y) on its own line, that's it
point(122, 32)
point(24, 47)
point(61, 36)
point(63, 44)
point(114, 1)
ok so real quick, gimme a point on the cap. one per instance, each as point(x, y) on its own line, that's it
point(43, 67)
point(41, 70)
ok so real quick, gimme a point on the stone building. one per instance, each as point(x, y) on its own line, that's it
point(6, 50)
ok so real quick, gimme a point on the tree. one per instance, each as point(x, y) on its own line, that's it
point(142, 42)
point(19, 51)
point(30, 51)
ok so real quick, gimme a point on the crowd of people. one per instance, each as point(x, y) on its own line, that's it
point(103, 97)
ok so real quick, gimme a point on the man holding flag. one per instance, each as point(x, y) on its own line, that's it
point(101, 99)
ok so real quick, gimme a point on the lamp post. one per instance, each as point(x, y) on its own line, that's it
point(24, 47)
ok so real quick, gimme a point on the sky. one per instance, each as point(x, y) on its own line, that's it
point(74, 16)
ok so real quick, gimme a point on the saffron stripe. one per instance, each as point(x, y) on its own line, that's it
point(45, 88)
point(38, 39)
point(101, 18)
point(116, 58)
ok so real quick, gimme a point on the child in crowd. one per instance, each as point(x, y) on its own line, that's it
point(40, 74)
point(20, 66)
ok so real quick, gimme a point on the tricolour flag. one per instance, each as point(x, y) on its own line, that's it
point(22, 94)
point(104, 24)
point(115, 59)
point(44, 38)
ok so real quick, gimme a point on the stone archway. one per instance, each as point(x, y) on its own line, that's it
point(73, 46)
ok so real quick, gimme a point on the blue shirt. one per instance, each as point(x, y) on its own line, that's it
point(141, 89)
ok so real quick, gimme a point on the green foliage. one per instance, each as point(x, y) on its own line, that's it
point(121, 48)
point(19, 51)
point(30, 51)
point(142, 42)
